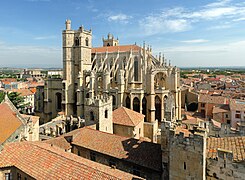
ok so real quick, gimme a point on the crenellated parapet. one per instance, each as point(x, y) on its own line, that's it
point(98, 100)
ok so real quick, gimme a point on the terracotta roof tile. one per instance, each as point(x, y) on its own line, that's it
point(234, 144)
point(9, 122)
point(237, 105)
point(60, 142)
point(132, 150)
point(212, 99)
point(23, 92)
point(127, 117)
point(182, 130)
point(221, 109)
point(111, 49)
point(42, 161)
point(192, 120)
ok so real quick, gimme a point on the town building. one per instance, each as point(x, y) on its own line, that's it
point(38, 160)
point(15, 127)
point(134, 156)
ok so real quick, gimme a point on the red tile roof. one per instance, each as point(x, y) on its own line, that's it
point(212, 99)
point(142, 153)
point(180, 129)
point(9, 122)
point(60, 142)
point(111, 49)
point(127, 117)
point(216, 123)
point(23, 92)
point(237, 105)
point(192, 120)
point(221, 109)
point(234, 144)
point(43, 161)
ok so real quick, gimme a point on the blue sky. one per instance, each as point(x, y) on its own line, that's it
point(189, 33)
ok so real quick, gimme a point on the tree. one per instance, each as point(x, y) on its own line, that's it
point(1, 96)
point(17, 100)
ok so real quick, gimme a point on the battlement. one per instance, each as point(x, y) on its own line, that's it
point(99, 100)
point(194, 142)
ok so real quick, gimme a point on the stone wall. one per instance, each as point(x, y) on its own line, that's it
point(117, 163)
point(187, 157)
point(223, 167)
point(14, 173)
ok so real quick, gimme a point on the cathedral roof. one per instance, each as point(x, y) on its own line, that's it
point(132, 150)
point(43, 161)
point(112, 49)
point(127, 117)
point(9, 122)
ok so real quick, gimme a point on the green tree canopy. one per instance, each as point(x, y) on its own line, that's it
point(1, 96)
point(17, 100)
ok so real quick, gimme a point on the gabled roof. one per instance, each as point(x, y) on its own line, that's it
point(9, 122)
point(142, 153)
point(111, 49)
point(127, 117)
point(43, 161)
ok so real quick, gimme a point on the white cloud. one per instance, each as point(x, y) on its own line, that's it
point(163, 23)
point(218, 3)
point(123, 18)
point(44, 37)
point(219, 27)
point(239, 19)
point(225, 54)
point(195, 41)
point(180, 19)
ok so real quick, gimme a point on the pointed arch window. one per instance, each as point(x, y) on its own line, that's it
point(86, 41)
point(77, 41)
point(136, 69)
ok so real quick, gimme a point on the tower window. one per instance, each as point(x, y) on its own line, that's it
point(184, 166)
point(77, 42)
point(91, 116)
point(136, 69)
point(86, 41)
point(106, 113)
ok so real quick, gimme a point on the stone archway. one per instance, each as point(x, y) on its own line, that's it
point(136, 104)
point(158, 104)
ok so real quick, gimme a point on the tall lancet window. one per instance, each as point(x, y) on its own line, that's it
point(136, 69)
point(86, 41)
point(77, 41)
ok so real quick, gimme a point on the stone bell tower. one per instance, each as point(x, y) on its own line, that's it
point(77, 46)
point(110, 41)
